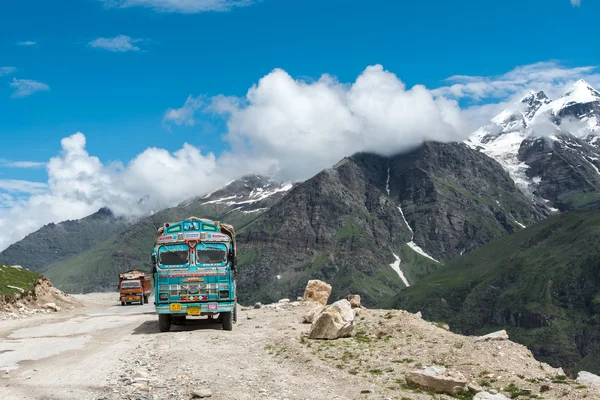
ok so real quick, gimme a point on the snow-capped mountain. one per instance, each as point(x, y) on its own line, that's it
point(248, 194)
point(550, 148)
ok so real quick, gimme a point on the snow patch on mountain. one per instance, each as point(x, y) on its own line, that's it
point(396, 267)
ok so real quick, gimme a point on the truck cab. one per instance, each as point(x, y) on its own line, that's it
point(194, 272)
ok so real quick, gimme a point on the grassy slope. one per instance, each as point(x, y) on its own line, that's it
point(21, 278)
point(542, 284)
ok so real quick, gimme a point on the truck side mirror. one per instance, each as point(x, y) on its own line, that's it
point(153, 259)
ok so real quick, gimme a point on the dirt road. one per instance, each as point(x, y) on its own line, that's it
point(105, 351)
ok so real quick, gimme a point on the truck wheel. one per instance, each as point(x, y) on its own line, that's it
point(122, 303)
point(164, 322)
point(227, 320)
point(145, 299)
point(235, 313)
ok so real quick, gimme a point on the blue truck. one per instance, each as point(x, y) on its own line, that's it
point(194, 267)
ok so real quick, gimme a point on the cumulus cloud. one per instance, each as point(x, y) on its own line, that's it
point(7, 70)
point(27, 87)
point(576, 3)
point(181, 6)
point(79, 184)
point(120, 43)
point(282, 126)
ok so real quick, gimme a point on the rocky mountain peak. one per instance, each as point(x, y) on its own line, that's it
point(247, 193)
point(533, 102)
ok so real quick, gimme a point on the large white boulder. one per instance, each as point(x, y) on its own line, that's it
point(588, 379)
point(335, 321)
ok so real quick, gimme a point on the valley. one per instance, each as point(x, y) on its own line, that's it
point(496, 232)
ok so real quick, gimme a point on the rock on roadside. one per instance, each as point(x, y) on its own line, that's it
point(489, 396)
point(335, 321)
point(437, 379)
point(354, 300)
point(588, 379)
point(309, 317)
point(500, 335)
point(318, 291)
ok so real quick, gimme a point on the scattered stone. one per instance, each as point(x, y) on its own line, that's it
point(335, 321)
point(500, 335)
point(299, 298)
point(493, 391)
point(474, 387)
point(295, 303)
point(419, 315)
point(284, 301)
point(201, 393)
point(258, 305)
point(309, 317)
point(318, 291)
point(437, 379)
point(490, 396)
point(588, 379)
point(354, 300)
point(544, 388)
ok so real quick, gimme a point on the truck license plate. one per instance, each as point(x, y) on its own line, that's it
point(193, 311)
point(175, 307)
point(212, 306)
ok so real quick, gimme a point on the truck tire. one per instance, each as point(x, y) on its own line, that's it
point(146, 299)
point(227, 321)
point(122, 303)
point(235, 313)
point(164, 322)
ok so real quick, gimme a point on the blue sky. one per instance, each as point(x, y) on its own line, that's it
point(60, 55)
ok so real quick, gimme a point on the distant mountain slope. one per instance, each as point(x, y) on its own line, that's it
point(371, 222)
point(542, 284)
point(55, 242)
point(550, 148)
point(95, 269)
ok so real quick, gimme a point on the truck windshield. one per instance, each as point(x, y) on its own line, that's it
point(130, 285)
point(209, 256)
point(174, 257)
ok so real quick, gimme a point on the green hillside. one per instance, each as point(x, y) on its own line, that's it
point(542, 284)
point(12, 278)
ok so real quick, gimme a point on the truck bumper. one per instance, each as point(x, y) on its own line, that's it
point(129, 297)
point(191, 308)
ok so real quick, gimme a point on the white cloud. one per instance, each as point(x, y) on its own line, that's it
point(27, 43)
point(304, 127)
point(79, 184)
point(576, 3)
point(181, 6)
point(27, 87)
point(549, 76)
point(185, 114)
point(283, 126)
point(120, 43)
point(7, 70)
point(21, 164)
point(19, 186)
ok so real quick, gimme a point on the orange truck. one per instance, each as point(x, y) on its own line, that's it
point(134, 287)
